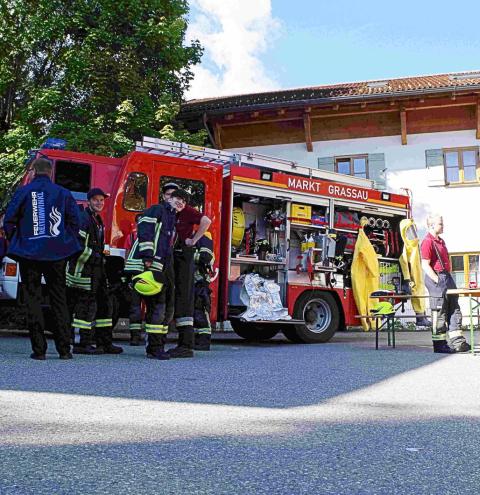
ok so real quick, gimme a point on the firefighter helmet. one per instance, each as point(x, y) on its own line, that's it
point(383, 308)
point(238, 227)
point(146, 285)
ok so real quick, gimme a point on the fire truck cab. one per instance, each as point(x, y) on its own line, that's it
point(286, 223)
point(77, 172)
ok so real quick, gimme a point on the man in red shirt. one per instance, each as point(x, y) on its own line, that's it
point(446, 313)
point(184, 267)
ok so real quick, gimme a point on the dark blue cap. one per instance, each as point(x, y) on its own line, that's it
point(96, 191)
point(170, 185)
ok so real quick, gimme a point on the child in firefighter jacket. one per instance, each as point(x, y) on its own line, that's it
point(152, 250)
point(204, 260)
point(86, 278)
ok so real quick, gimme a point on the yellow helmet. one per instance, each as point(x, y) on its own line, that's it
point(146, 285)
point(238, 227)
point(383, 308)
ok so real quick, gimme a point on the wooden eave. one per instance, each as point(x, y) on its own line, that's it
point(361, 107)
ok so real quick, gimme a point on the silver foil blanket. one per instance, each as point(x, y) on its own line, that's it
point(262, 298)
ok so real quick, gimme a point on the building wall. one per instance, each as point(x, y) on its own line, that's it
point(406, 168)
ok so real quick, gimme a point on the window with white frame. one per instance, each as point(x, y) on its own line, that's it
point(461, 165)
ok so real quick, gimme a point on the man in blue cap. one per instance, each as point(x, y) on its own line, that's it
point(86, 274)
point(41, 224)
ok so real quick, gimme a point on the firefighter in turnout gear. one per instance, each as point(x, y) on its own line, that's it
point(446, 314)
point(152, 251)
point(204, 260)
point(86, 274)
point(169, 287)
point(184, 269)
point(134, 299)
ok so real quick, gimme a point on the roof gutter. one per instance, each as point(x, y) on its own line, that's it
point(335, 99)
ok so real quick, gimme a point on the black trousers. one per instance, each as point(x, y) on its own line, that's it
point(135, 313)
point(54, 274)
point(203, 305)
point(446, 314)
point(169, 288)
point(184, 267)
point(93, 311)
point(154, 319)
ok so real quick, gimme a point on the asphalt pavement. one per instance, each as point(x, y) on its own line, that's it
point(270, 418)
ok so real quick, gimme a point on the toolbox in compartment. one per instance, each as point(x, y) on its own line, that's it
point(301, 213)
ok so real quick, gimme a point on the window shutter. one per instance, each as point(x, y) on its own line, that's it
point(435, 167)
point(327, 163)
point(377, 170)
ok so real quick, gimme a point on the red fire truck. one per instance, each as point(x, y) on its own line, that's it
point(272, 217)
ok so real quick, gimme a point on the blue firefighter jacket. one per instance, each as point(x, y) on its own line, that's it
point(42, 222)
point(80, 267)
point(154, 239)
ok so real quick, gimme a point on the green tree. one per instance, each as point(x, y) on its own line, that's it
point(98, 73)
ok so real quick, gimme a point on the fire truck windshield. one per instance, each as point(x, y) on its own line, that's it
point(74, 176)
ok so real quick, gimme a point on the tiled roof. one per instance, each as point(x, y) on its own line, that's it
point(338, 92)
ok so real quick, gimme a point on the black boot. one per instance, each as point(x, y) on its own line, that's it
point(202, 342)
point(184, 348)
point(159, 354)
point(180, 352)
point(105, 341)
point(135, 338)
point(38, 357)
point(85, 346)
point(156, 347)
point(186, 337)
point(441, 347)
point(460, 345)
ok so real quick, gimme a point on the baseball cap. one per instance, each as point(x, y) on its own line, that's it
point(96, 191)
point(170, 185)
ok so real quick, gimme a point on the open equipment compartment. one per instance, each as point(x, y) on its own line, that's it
point(258, 243)
point(383, 231)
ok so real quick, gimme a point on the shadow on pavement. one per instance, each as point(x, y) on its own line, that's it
point(275, 374)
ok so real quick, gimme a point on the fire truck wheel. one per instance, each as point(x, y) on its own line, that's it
point(253, 332)
point(320, 313)
point(290, 333)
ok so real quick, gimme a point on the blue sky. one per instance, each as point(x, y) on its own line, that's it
point(255, 45)
point(327, 42)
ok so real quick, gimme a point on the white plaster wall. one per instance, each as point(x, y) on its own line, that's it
point(406, 168)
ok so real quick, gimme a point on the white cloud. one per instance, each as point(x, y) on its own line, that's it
point(234, 34)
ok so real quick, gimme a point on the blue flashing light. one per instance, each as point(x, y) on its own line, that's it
point(54, 144)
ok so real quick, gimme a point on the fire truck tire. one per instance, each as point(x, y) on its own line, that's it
point(320, 312)
point(253, 332)
point(290, 333)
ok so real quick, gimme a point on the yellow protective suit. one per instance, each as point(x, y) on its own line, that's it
point(365, 278)
point(411, 263)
